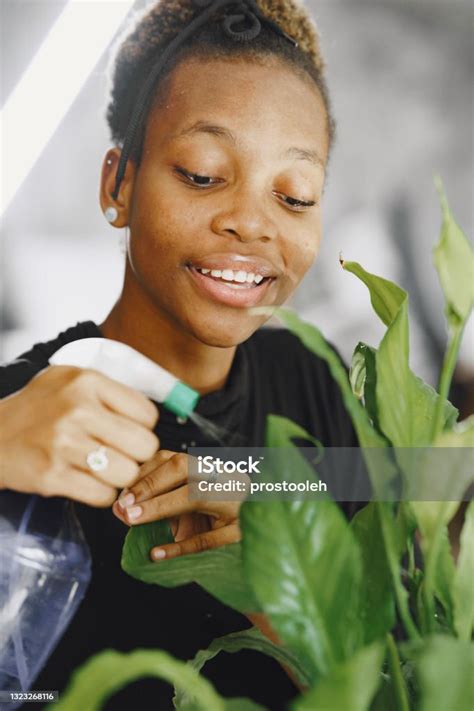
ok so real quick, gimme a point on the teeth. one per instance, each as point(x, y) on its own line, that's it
point(240, 277)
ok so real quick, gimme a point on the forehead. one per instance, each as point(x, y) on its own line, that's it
point(259, 101)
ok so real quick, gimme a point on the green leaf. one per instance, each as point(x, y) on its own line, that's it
point(377, 609)
point(460, 435)
point(444, 669)
point(280, 431)
point(463, 585)
point(350, 685)
point(357, 372)
point(219, 571)
point(303, 563)
point(453, 258)
point(444, 575)
point(386, 297)
point(363, 378)
point(313, 339)
point(235, 642)
point(404, 403)
point(243, 705)
point(108, 672)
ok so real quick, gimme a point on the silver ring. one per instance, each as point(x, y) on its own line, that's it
point(97, 460)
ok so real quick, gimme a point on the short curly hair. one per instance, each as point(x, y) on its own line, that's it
point(155, 28)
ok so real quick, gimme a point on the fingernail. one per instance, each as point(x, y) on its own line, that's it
point(126, 501)
point(158, 553)
point(134, 512)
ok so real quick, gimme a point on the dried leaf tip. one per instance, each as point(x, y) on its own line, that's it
point(341, 259)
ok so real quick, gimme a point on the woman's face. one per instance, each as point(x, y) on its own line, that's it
point(229, 186)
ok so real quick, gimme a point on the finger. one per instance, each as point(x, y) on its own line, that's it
point(197, 544)
point(120, 513)
point(130, 438)
point(161, 456)
point(165, 506)
point(120, 471)
point(124, 400)
point(77, 485)
point(170, 474)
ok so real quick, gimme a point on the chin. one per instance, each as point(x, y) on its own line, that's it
point(226, 333)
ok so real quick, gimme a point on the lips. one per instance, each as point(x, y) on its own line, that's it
point(237, 262)
point(230, 293)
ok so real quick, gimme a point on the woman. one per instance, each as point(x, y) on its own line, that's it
point(218, 173)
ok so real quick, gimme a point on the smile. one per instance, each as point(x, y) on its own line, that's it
point(231, 287)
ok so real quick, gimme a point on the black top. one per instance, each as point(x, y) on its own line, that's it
point(272, 373)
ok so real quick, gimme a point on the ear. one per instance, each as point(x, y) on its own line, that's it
point(107, 184)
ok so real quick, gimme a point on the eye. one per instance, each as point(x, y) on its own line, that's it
point(294, 203)
point(200, 181)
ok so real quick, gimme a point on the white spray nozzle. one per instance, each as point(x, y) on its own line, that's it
point(128, 366)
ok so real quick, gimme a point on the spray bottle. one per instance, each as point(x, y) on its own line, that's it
point(45, 562)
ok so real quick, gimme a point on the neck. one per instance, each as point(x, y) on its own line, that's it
point(136, 321)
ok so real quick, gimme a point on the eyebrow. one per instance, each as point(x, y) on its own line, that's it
point(307, 154)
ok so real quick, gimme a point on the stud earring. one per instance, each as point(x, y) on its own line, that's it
point(111, 214)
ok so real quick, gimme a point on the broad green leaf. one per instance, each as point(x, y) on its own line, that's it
point(219, 571)
point(280, 431)
point(405, 405)
point(235, 642)
point(453, 258)
point(108, 672)
point(444, 670)
point(303, 563)
point(463, 585)
point(350, 685)
point(377, 609)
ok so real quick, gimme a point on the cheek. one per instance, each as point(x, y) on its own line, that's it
point(302, 252)
point(161, 224)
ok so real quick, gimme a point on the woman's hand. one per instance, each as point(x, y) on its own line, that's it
point(49, 428)
point(162, 492)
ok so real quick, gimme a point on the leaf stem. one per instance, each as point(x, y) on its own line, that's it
point(401, 594)
point(431, 560)
point(449, 363)
point(401, 695)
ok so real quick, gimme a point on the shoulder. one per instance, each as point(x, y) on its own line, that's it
point(17, 373)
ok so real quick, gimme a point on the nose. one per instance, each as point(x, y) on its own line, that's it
point(245, 216)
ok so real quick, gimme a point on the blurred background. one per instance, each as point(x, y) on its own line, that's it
point(401, 80)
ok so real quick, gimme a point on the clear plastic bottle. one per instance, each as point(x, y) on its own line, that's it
point(45, 568)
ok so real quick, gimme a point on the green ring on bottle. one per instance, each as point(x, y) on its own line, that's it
point(182, 400)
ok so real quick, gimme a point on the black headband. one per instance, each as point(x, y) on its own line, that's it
point(247, 10)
